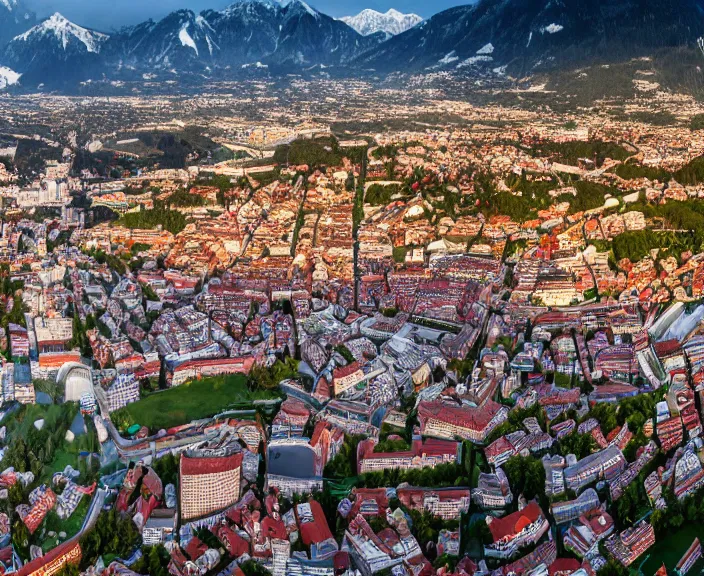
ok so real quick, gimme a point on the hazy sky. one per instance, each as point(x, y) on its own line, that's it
point(109, 14)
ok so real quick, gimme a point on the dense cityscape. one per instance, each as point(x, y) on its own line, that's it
point(425, 324)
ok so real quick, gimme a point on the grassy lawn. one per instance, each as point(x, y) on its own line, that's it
point(62, 458)
point(669, 550)
point(190, 401)
point(71, 525)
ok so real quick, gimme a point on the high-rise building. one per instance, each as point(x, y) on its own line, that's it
point(208, 484)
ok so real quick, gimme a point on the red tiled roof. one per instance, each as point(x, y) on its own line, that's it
point(343, 371)
point(613, 388)
point(514, 523)
point(320, 426)
point(431, 447)
point(196, 548)
point(498, 447)
point(245, 361)
point(420, 565)
point(600, 522)
point(464, 416)
point(199, 466)
point(295, 406)
point(341, 561)
point(58, 359)
point(568, 565)
point(235, 544)
point(561, 397)
point(362, 495)
point(667, 347)
point(316, 531)
point(389, 537)
point(274, 528)
point(410, 494)
point(435, 447)
point(68, 551)
point(611, 435)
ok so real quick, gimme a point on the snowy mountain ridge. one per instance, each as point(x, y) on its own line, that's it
point(492, 38)
point(392, 22)
point(65, 31)
point(275, 33)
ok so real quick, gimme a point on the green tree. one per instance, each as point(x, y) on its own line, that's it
point(268, 378)
point(613, 568)
point(166, 468)
point(526, 476)
point(253, 568)
point(21, 538)
point(149, 293)
point(154, 561)
point(581, 445)
point(69, 570)
point(160, 215)
point(344, 464)
point(605, 414)
point(112, 534)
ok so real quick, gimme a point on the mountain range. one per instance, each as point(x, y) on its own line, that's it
point(523, 36)
point(391, 23)
point(279, 33)
point(493, 37)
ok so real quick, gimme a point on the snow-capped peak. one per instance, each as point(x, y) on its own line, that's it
point(299, 4)
point(65, 31)
point(272, 4)
point(370, 21)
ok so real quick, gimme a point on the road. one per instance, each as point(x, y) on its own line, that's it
point(249, 235)
point(96, 506)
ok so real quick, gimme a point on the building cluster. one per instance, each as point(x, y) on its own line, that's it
point(495, 388)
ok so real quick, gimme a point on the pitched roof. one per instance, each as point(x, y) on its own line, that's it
point(235, 544)
point(498, 447)
point(513, 523)
point(196, 548)
point(568, 565)
point(465, 416)
point(64, 551)
point(317, 530)
point(274, 528)
point(343, 371)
